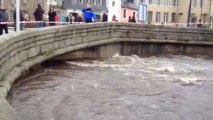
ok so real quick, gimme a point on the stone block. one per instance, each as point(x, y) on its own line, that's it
point(5, 67)
point(21, 56)
point(34, 51)
point(61, 44)
point(67, 42)
point(47, 48)
point(41, 42)
point(56, 45)
point(44, 37)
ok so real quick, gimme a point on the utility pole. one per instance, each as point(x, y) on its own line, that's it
point(17, 15)
point(166, 12)
point(201, 9)
point(189, 13)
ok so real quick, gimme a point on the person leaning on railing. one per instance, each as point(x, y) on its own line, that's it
point(89, 15)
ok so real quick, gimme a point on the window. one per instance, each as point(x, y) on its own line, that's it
point(11, 14)
point(81, 1)
point(124, 13)
point(98, 2)
point(174, 2)
point(150, 1)
point(24, 1)
point(143, 1)
point(195, 3)
point(150, 16)
point(158, 2)
point(1, 2)
point(201, 3)
point(157, 16)
point(131, 1)
point(93, 2)
point(166, 17)
point(113, 4)
point(173, 17)
point(13, 1)
point(87, 1)
point(74, 1)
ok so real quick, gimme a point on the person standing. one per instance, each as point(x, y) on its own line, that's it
point(39, 12)
point(130, 19)
point(113, 18)
point(26, 18)
point(52, 15)
point(21, 19)
point(79, 19)
point(104, 17)
point(199, 25)
point(3, 18)
point(89, 15)
point(133, 19)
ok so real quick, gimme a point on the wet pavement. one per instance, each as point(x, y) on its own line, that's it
point(120, 88)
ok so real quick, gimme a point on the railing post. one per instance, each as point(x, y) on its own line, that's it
point(17, 15)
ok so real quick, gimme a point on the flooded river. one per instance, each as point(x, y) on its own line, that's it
point(120, 88)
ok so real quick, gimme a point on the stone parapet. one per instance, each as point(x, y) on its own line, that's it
point(22, 50)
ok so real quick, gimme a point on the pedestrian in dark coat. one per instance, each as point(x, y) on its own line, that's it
point(104, 17)
point(52, 15)
point(133, 19)
point(130, 19)
point(39, 12)
point(3, 18)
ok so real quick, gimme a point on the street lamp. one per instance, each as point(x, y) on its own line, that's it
point(189, 13)
point(17, 15)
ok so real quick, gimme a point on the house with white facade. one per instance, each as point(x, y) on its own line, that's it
point(114, 8)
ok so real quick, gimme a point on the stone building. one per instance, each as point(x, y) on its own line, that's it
point(176, 11)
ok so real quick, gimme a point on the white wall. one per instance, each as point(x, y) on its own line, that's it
point(114, 10)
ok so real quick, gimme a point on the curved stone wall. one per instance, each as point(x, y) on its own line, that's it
point(22, 50)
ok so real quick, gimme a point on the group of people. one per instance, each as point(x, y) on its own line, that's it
point(41, 21)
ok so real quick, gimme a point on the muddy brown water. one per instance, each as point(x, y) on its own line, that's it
point(120, 88)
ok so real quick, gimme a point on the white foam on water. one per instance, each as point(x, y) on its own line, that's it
point(185, 69)
point(189, 79)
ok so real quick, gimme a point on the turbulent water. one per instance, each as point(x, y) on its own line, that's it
point(120, 88)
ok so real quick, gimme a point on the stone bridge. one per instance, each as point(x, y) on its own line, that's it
point(20, 51)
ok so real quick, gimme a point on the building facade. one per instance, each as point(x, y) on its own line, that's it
point(176, 11)
point(162, 11)
point(114, 8)
point(98, 6)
